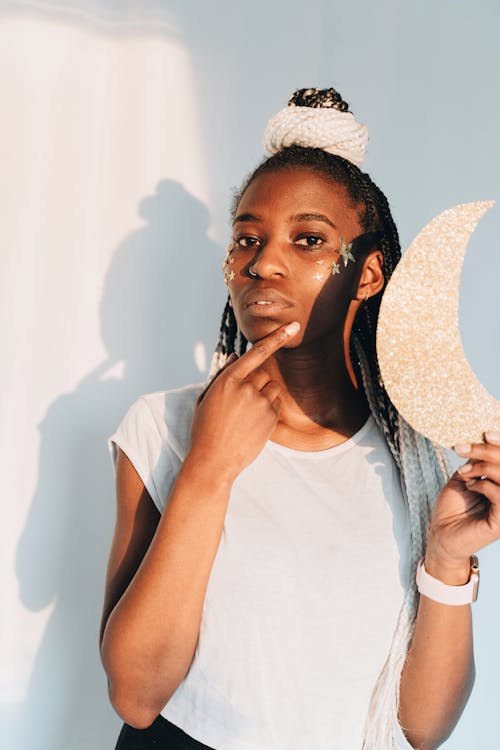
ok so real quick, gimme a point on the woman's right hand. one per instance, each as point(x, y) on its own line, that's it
point(159, 568)
point(238, 412)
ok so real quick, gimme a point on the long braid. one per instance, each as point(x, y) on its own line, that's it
point(423, 474)
point(422, 469)
point(231, 339)
point(422, 465)
point(377, 216)
point(226, 340)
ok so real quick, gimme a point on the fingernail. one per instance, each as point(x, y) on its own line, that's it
point(292, 328)
point(465, 468)
point(462, 450)
point(470, 483)
point(492, 437)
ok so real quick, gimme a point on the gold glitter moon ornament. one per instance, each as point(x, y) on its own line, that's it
point(422, 362)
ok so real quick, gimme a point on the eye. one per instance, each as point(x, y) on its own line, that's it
point(310, 241)
point(245, 240)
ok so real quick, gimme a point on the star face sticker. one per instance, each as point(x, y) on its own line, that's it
point(335, 268)
point(228, 261)
point(318, 276)
point(345, 251)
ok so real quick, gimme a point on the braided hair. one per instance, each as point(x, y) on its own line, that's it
point(422, 465)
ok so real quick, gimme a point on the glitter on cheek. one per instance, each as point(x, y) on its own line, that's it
point(419, 348)
point(228, 261)
point(335, 268)
point(345, 251)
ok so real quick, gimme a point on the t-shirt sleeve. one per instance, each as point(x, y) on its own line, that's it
point(139, 437)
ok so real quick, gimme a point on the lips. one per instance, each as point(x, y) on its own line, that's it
point(264, 303)
point(265, 298)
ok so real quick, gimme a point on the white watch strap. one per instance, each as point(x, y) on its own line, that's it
point(445, 594)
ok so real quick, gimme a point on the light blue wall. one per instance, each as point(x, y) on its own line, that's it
point(424, 77)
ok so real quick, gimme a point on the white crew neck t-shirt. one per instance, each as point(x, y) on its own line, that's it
point(305, 590)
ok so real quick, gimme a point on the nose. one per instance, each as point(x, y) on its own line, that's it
point(269, 261)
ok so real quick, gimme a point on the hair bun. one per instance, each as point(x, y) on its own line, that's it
point(318, 118)
point(326, 98)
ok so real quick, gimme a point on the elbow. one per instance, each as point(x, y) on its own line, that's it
point(428, 730)
point(420, 744)
point(431, 738)
point(426, 740)
point(420, 740)
point(426, 744)
point(139, 689)
point(139, 714)
point(129, 693)
point(137, 698)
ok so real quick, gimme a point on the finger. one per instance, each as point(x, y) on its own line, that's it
point(232, 358)
point(479, 451)
point(490, 490)
point(259, 378)
point(276, 406)
point(263, 349)
point(476, 469)
point(229, 361)
point(272, 390)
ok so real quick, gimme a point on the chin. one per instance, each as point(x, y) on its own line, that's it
point(259, 329)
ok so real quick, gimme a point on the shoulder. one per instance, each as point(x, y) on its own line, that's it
point(166, 407)
point(166, 413)
point(154, 434)
point(172, 412)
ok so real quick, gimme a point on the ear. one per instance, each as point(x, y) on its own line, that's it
point(371, 280)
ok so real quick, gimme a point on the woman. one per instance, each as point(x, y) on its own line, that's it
point(261, 586)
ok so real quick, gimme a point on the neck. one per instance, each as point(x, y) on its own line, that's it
point(321, 405)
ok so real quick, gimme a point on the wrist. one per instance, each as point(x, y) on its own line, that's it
point(453, 591)
point(206, 473)
point(451, 572)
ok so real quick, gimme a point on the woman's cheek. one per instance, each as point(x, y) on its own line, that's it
point(228, 268)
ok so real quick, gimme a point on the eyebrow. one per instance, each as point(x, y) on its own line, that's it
point(297, 217)
point(247, 217)
point(311, 217)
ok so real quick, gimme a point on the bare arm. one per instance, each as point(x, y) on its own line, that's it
point(150, 636)
point(159, 568)
point(439, 672)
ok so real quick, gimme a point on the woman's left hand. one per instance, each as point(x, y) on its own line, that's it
point(466, 516)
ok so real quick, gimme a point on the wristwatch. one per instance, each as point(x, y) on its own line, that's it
point(445, 594)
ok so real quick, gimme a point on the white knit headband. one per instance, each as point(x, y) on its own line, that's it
point(327, 128)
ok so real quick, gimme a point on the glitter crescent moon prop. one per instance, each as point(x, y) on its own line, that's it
point(419, 348)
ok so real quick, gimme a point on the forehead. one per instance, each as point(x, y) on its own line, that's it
point(298, 190)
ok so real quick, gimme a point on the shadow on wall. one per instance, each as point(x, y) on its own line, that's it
point(152, 317)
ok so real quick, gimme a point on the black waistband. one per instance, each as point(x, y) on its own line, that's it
point(161, 735)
